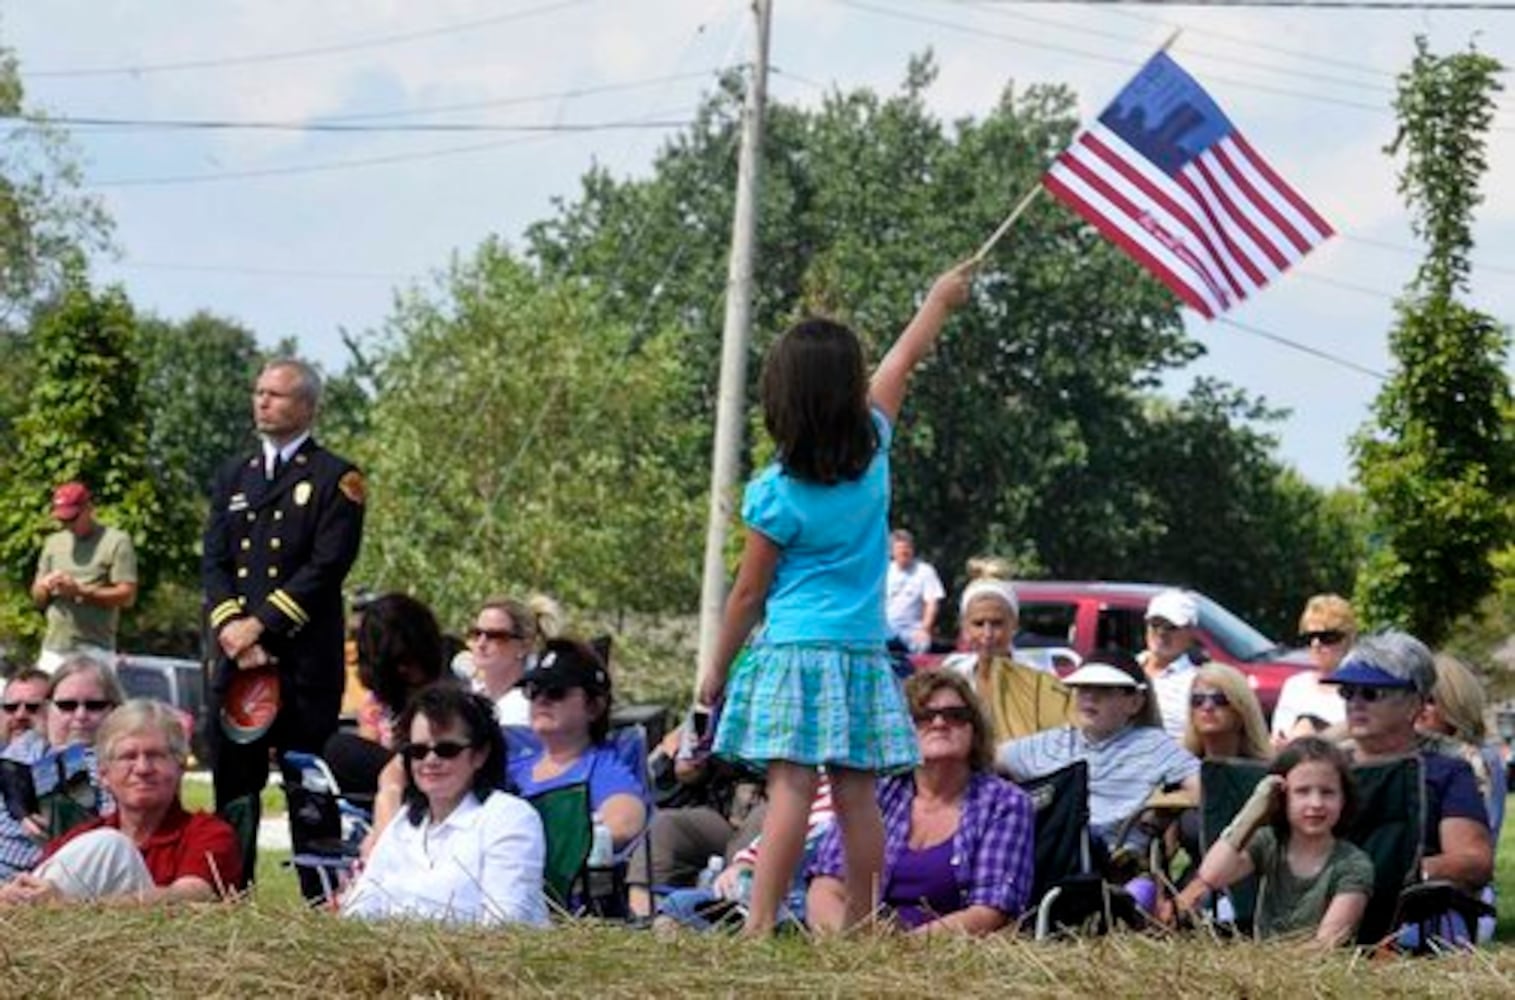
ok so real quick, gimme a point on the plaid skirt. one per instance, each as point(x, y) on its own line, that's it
point(814, 704)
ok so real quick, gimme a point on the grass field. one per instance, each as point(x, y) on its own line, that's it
point(272, 945)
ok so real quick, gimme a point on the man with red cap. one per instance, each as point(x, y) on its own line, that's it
point(86, 574)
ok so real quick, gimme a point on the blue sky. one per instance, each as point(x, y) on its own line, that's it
point(307, 253)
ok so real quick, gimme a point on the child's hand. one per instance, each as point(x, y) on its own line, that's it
point(953, 288)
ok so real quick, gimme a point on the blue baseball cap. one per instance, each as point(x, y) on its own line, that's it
point(1365, 674)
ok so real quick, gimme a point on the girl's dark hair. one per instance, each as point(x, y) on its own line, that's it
point(1305, 750)
point(442, 705)
point(815, 402)
point(399, 648)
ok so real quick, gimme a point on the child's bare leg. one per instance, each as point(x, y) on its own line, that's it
point(791, 787)
point(862, 839)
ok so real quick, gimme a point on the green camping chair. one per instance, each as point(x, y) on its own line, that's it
point(1388, 826)
point(1225, 786)
point(568, 827)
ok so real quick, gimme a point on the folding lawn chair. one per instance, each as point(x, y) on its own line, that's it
point(1225, 786)
point(1069, 896)
point(326, 829)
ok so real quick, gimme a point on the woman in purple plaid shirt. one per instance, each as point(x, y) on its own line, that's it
point(958, 839)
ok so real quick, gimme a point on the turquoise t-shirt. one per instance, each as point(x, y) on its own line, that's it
point(834, 550)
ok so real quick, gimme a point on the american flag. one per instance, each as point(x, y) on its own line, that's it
point(1165, 174)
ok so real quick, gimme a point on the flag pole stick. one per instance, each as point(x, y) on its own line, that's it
point(1004, 227)
point(1030, 196)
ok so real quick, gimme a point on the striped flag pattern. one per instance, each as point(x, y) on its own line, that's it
point(1165, 175)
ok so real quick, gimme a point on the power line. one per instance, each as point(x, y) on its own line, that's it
point(1295, 345)
point(1405, 5)
point(225, 125)
point(383, 41)
point(332, 165)
point(1127, 61)
point(257, 271)
point(1402, 248)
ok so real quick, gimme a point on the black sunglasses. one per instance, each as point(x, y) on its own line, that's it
point(66, 705)
point(956, 715)
point(12, 707)
point(1359, 692)
point(492, 634)
point(444, 749)
point(1215, 699)
point(1325, 636)
point(547, 692)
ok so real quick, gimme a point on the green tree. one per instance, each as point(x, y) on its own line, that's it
point(84, 420)
point(1031, 431)
point(516, 445)
point(46, 224)
point(1438, 464)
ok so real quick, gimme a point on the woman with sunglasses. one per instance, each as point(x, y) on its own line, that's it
point(569, 691)
point(1328, 628)
point(1225, 722)
point(461, 850)
point(79, 698)
point(503, 643)
point(957, 839)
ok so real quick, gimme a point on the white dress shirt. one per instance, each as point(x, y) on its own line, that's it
point(480, 865)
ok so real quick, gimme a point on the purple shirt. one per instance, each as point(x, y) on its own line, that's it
point(991, 848)
point(923, 886)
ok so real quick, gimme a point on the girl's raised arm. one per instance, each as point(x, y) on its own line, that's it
point(892, 377)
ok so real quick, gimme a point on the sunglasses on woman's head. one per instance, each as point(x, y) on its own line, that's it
point(444, 749)
point(1215, 699)
point(67, 705)
point(1325, 636)
point(956, 715)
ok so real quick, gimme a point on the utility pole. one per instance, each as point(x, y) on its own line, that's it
point(731, 401)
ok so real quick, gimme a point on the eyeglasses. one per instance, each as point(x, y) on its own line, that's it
point(67, 705)
point(153, 758)
point(12, 707)
point(953, 715)
point(1215, 699)
point(492, 634)
point(1325, 636)
point(1356, 692)
point(444, 749)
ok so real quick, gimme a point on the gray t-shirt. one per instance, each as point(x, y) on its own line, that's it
point(1288, 904)
point(104, 556)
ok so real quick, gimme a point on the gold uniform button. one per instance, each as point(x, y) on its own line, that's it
point(251, 516)
point(241, 572)
point(278, 515)
point(273, 571)
point(274, 543)
point(246, 544)
point(242, 602)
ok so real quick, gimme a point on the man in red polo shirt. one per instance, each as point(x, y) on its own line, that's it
point(150, 849)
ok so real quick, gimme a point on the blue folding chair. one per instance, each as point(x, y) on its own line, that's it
point(326, 829)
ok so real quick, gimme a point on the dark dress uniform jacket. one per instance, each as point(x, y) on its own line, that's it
point(279, 551)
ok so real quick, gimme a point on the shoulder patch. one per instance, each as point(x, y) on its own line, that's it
point(352, 486)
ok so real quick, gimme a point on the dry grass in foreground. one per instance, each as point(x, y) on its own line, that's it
point(262, 951)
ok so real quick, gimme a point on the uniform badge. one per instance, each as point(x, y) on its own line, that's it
point(302, 493)
point(237, 502)
point(352, 486)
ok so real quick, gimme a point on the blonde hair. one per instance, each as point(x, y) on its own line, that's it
point(536, 619)
point(141, 715)
point(1332, 611)
point(1459, 696)
point(1233, 684)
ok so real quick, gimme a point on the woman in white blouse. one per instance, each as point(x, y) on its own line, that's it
point(461, 849)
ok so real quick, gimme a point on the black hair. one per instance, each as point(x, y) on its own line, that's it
point(1305, 750)
point(400, 648)
point(815, 402)
point(441, 705)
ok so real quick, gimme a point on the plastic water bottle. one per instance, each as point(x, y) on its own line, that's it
point(713, 869)
point(602, 848)
point(744, 886)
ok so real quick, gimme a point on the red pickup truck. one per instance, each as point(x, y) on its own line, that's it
point(1059, 618)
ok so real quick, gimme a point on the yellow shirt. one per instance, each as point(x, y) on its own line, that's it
point(1021, 700)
